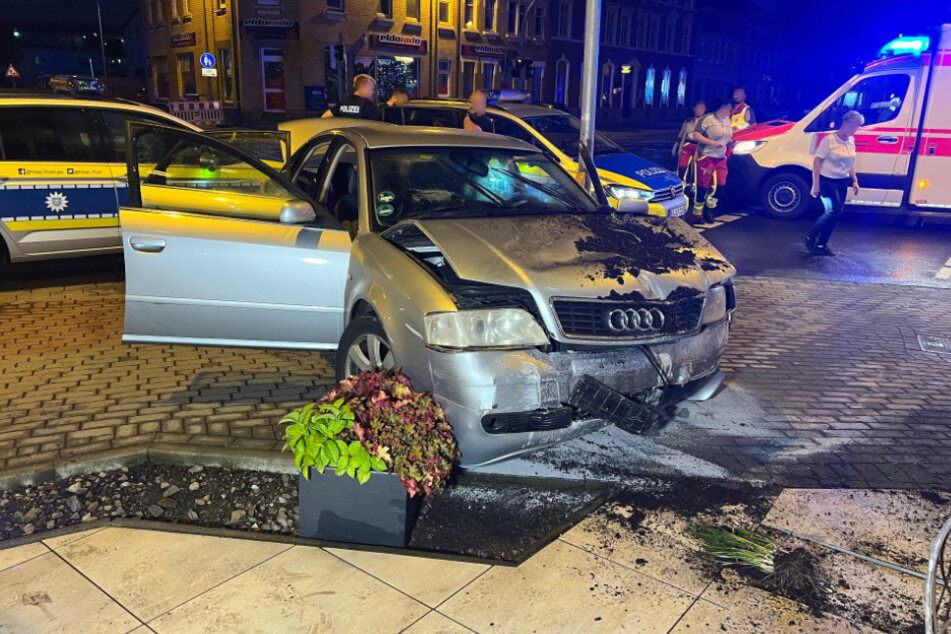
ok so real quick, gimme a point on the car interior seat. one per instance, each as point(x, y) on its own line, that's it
point(346, 210)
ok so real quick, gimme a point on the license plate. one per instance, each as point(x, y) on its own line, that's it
point(677, 212)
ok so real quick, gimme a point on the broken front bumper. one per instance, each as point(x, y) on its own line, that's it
point(472, 385)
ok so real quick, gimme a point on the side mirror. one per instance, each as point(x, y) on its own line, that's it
point(633, 206)
point(297, 212)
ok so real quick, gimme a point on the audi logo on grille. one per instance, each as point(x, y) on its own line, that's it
point(635, 320)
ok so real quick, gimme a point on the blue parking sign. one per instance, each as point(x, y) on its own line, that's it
point(207, 60)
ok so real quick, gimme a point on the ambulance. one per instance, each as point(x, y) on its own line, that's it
point(903, 152)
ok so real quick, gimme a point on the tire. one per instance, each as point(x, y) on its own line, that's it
point(363, 346)
point(785, 195)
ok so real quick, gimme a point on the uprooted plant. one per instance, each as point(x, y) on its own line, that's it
point(737, 547)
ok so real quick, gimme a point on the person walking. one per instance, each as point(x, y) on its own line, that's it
point(684, 149)
point(833, 172)
point(713, 133)
point(360, 104)
point(477, 118)
point(741, 115)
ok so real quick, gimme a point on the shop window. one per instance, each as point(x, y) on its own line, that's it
point(444, 12)
point(682, 88)
point(412, 9)
point(489, 16)
point(226, 74)
point(160, 73)
point(397, 72)
point(272, 66)
point(488, 75)
point(665, 88)
point(384, 8)
point(649, 87)
point(469, 15)
point(186, 75)
point(444, 73)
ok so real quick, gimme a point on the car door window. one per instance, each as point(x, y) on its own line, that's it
point(309, 172)
point(342, 187)
point(879, 99)
point(392, 114)
point(433, 117)
point(62, 135)
point(513, 129)
point(114, 124)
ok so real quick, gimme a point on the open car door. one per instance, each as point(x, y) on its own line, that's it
point(220, 249)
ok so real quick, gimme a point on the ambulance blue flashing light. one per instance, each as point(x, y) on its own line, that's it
point(905, 45)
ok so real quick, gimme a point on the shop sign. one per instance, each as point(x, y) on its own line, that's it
point(181, 40)
point(402, 42)
point(270, 29)
point(483, 50)
point(315, 97)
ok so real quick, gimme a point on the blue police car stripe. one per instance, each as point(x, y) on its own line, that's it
point(632, 166)
point(60, 201)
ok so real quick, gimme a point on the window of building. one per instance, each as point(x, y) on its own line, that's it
point(539, 21)
point(609, 25)
point(272, 67)
point(444, 12)
point(624, 29)
point(687, 34)
point(561, 81)
point(512, 17)
point(469, 15)
point(468, 77)
point(412, 10)
point(670, 35)
point(643, 25)
point(489, 16)
point(227, 74)
point(682, 88)
point(337, 5)
point(488, 75)
point(49, 134)
point(186, 75)
point(654, 34)
point(384, 8)
point(444, 73)
point(649, 87)
point(522, 8)
point(397, 72)
point(607, 85)
point(160, 75)
point(665, 88)
point(562, 23)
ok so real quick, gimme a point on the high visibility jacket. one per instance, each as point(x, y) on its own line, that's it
point(741, 117)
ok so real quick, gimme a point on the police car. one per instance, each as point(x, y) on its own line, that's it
point(63, 173)
point(556, 133)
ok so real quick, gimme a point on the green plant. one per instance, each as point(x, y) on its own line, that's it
point(737, 547)
point(317, 434)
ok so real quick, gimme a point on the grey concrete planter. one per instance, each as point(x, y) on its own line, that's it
point(378, 513)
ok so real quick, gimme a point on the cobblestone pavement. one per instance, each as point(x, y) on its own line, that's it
point(827, 385)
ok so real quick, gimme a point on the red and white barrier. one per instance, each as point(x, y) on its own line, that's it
point(198, 112)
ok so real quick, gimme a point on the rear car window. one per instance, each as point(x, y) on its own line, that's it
point(40, 133)
point(433, 117)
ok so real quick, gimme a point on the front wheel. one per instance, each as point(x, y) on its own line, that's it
point(785, 195)
point(363, 346)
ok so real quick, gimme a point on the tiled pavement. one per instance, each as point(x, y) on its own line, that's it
point(826, 385)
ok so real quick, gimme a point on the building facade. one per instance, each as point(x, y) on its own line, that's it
point(280, 58)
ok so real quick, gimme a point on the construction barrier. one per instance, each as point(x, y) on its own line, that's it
point(203, 113)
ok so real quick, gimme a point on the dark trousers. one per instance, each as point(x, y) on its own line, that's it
point(835, 191)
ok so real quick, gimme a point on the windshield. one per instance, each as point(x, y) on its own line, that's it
point(564, 131)
point(469, 182)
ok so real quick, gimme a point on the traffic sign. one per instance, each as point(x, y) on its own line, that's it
point(207, 60)
point(12, 72)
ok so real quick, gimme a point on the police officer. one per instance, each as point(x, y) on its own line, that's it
point(360, 104)
point(476, 118)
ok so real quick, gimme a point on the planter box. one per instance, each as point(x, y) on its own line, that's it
point(341, 509)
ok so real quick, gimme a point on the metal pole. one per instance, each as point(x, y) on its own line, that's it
point(204, 10)
point(589, 75)
point(102, 46)
point(433, 49)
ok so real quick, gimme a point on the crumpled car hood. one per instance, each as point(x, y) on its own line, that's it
point(596, 255)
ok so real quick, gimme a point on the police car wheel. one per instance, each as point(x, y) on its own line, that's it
point(785, 195)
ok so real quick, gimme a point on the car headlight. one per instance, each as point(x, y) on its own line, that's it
point(748, 147)
point(714, 309)
point(484, 328)
point(625, 191)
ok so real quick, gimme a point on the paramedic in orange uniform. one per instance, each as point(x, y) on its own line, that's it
point(741, 115)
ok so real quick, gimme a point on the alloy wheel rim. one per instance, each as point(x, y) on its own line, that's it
point(369, 352)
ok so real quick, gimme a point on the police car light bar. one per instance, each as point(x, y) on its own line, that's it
point(905, 45)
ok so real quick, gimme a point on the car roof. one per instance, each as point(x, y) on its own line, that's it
point(376, 134)
point(512, 107)
point(522, 110)
point(40, 99)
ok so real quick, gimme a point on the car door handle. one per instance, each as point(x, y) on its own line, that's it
point(147, 244)
point(887, 139)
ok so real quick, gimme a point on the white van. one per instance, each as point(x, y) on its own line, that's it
point(903, 150)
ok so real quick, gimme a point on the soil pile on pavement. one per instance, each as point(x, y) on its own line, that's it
point(489, 520)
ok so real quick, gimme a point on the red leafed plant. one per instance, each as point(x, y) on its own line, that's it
point(404, 428)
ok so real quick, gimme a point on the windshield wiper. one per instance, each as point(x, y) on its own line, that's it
point(491, 195)
point(542, 188)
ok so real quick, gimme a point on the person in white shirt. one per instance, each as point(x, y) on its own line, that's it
point(714, 134)
point(833, 172)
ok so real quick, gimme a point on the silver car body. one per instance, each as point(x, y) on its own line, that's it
point(209, 278)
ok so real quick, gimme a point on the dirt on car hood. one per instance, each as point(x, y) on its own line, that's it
point(598, 255)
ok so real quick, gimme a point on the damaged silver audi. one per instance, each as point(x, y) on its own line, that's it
point(533, 312)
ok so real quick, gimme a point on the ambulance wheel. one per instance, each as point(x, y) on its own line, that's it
point(785, 195)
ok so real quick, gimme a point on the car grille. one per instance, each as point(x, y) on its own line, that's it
point(538, 420)
point(670, 193)
point(590, 319)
